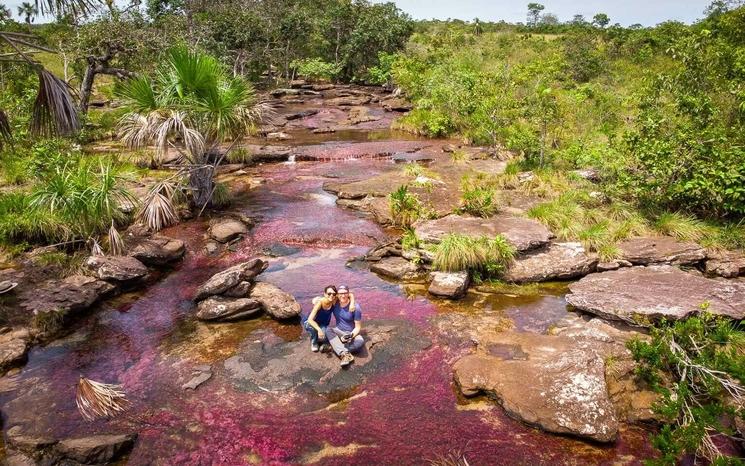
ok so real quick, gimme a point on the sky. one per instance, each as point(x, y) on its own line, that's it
point(645, 12)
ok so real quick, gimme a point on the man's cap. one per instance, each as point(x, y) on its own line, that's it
point(342, 288)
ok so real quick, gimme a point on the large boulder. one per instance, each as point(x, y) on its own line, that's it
point(115, 268)
point(74, 293)
point(276, 302)
point(220, 308)
point(560, 261)
point(524, 234)
point(552, 383)
point(640, 294)
point(267, 362)
point(449, 284)
point(227, 229)
point(396, 267)
point(728, 264)
point(158, 250)
point(97, 449)
point(661, 250)
point(227, 279)
point(14, 345)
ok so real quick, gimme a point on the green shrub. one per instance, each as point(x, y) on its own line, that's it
point(315, 69)
point(409, 240)
point(404, 206)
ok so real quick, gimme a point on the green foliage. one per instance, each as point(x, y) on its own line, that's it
point(696, 366)
point(488, 256)
point(404, 206)
point(478, 198)
point(681, 226)
point(409, 240)
point(221, 197)
point(315, 69)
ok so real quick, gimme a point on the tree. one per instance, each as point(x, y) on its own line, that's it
point(579, 20)
point(28, 11)
point(534, 13)
point(601, 20)
point(549, 19)
point(5, 13)
point(191, 106)
point(544, 111)
point(478, 28)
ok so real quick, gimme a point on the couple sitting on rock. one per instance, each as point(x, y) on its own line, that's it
point(344, 337)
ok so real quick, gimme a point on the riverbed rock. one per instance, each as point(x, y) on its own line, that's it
point(268, 363)
point(227, 229)
point(640, 294)
point(396, 267)
point(223, 281)
point(449, 284)
point(74, 293)
point(33, 445)
point(397, 105)
point(276, 302)
point(524, 234)
point(97, 449)
point(554, 385)
point(349, 101)
point(560, 261)
point(158, 250)
point(728, 264)
point(14, 345)
point(661, 250)
point(220, 308)
point(115, 268)
point(241, 290)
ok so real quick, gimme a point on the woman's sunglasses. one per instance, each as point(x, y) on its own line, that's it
point(330, 293)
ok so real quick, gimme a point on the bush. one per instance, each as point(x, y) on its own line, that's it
point(404, 206)
point(315, 69)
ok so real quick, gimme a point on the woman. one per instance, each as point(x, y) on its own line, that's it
point(320, 317)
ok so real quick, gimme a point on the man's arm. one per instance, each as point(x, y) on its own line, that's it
point(357, 321)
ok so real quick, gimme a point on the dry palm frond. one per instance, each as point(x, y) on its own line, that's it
point(64, 7)
point(116, 243)
point(157, 210)
point(96, 249)
point(54, 112)
point(95, 399)
point(5, 131)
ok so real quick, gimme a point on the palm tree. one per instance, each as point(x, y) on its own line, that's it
point(192, 106)
point(29, 11)
point(5, 13)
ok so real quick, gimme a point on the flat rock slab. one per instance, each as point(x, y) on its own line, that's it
point(220, 308)
point(275, 302)
point(560, 261)
point(554, 384)
point(396, 267)
point(524, 234)
point(268, 363)
point(98, 449)
point(654, 293)
point(227, 279)
point(661, 250)
point(449, 284)
point(74, 293)
point(115, 268)
point(377, 186)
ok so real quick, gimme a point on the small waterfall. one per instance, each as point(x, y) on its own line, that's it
point(290, 159)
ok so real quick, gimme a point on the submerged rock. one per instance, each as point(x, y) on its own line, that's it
point(661, 250)
point(449, 284)
point(227, 229)
point(559, 386)
point(223, 281)
point(276, 302)
point(524, 234)
point(158, 250)
point(655, 292)
point(219, 308)
point(396, 267)
point(115, 268)
point(560, 261)
point(269, 363)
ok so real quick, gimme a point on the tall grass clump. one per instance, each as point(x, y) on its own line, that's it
point(404, 206)
point(680, 226)
point(21, 221)
point(457, 252)
point(478, 198)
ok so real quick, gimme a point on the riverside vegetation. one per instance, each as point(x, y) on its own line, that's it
point(655, 116)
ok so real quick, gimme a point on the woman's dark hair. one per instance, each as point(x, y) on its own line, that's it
point(329, 286)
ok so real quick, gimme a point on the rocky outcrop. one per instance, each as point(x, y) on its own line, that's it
point(558, 386)
point(227, 229)
point(220, 308)
point(661, 250)
point(560, 261)
point(115, 268)
point(268, 363)
point(74, 293)
point(524, 234)
point(275, 302)
point(449, 284)
point(640, 294)
point(227, 279)
point(14, 345)
point(158, 250)
point(396, 267)
point(728, 264)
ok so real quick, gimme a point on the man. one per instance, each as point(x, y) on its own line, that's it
point(345, 338)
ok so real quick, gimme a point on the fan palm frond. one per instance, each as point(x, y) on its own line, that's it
point(54, 111)
point(158, 209)
point(96, 249)
point(65, 7)
point(116, 243)
point(97, 400)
